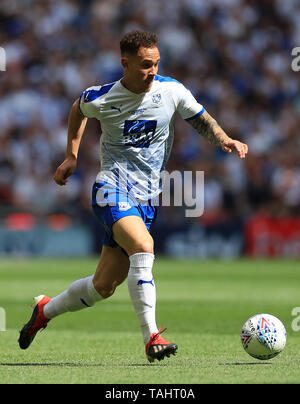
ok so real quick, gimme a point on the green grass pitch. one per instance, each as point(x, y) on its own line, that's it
point(203, 304)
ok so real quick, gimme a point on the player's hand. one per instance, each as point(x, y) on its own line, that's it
point(65, 170)
point(231, 145)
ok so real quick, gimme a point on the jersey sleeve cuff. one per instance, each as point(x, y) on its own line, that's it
point(79, 107)
point(194, 116)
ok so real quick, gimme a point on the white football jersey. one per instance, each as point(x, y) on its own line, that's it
point(137, 131)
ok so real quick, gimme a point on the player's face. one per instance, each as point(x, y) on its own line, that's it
point(140, 69)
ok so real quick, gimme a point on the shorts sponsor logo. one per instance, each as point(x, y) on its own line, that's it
point(124, 205)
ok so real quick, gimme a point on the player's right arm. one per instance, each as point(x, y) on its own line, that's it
point(209, 128)
point(76, 125)
point(195, 114)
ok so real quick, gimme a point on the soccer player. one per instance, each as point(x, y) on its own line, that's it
point(137, 116)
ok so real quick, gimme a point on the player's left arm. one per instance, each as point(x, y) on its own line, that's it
point(209, 128)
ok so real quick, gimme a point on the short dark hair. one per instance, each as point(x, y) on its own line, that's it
point(132, 41)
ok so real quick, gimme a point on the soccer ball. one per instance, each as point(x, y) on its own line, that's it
point(263, 336)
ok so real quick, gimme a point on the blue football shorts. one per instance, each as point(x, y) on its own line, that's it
point(111, 204)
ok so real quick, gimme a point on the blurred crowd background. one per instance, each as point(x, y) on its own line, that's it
point(235, 57)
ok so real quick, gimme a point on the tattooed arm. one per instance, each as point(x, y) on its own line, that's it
point(214, 134)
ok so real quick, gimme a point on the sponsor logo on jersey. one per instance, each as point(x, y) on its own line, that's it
point(138, 111)
point(138, 133)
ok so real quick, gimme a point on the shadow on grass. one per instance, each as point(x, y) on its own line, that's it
point(245, 363)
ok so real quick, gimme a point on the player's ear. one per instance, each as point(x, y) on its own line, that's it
point(124, 62)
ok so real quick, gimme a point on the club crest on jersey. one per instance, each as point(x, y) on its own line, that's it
point(156, 98)
point(124, 205)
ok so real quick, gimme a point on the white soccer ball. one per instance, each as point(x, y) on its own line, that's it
point(263, 336)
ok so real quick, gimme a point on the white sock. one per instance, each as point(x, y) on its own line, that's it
point(79, 295)
point(143, 292)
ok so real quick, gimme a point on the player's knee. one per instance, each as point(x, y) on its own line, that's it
point(105, 290)
point(145, 246)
